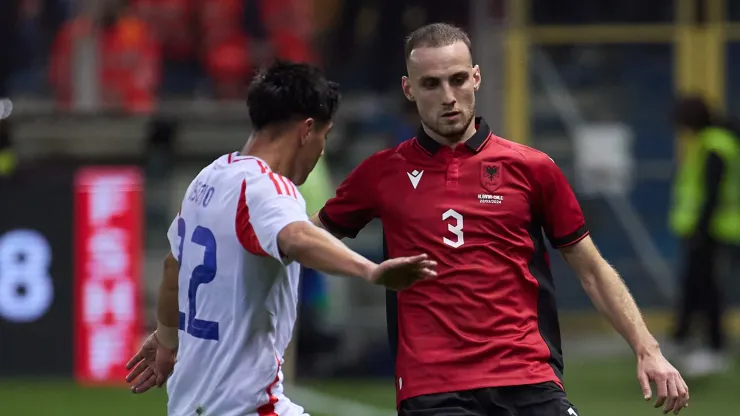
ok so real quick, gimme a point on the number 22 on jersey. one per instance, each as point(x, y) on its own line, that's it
point(202, 274)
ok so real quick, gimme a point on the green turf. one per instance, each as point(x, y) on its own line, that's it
point(598, 389)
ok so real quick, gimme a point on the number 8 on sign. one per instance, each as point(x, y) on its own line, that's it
point(26, 289)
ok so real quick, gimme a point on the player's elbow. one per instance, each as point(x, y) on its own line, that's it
point(295, 239)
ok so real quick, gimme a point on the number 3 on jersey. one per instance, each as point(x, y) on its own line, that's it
point(455, 228)
point(202, 274)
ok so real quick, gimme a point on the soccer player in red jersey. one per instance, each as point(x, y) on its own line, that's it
point(483, 338)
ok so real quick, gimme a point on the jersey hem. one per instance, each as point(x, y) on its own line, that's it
point(488, 382)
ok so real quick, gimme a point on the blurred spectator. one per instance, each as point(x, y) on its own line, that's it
point(290, 28)
point(174, 25)
point(225, 47)
point(29, 26)
point(129, 61)
point(706, 215)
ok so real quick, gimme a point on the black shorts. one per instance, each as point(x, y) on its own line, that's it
point(546, 399)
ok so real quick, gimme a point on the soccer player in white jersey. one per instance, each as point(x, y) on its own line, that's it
point(227, 301)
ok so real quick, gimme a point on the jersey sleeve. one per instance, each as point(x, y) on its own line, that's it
point(353, 206)
point(173, 235)
point(561, 214)
point(267, 204)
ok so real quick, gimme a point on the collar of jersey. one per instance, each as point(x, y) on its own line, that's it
point(475, 143)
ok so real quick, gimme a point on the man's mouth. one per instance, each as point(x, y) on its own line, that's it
point(450, 114)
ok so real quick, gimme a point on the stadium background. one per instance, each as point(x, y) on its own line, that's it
point(164, 98)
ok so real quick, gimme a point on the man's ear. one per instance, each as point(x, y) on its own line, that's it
point(406, 88)
point(476, 77)
point(305, 130)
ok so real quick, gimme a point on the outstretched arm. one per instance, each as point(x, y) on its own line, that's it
point(612, 298)
point(317, 249)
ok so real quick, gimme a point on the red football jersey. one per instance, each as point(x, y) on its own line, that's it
point(479, 210)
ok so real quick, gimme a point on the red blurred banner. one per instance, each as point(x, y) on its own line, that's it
point(108, 319)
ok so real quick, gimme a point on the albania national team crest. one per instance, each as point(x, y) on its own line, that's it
point(490, 175)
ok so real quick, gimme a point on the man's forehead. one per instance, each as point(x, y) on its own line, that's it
point(440, 61)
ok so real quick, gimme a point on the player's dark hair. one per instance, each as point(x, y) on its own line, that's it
point(436, 35)
point(287, 91)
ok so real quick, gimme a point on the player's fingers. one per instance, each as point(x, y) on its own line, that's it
point(429, 273)
point(672, 399)
point(661, 386)
point(147, 382)
point(647, 392)
point(135, 359)
point(416, 259)
point(683, 395)
point(143, 365)
point(428, 264)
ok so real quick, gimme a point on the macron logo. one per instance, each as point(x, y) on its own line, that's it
point(415, 177)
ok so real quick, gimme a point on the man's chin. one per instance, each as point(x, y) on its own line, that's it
point(453, 135)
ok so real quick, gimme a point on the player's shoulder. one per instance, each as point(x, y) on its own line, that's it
point(521, 154)
point(382, 156)
point(374, 164)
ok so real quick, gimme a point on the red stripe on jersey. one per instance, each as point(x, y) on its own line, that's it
point(263, 167)
point(229, 159)
point(244, 230)
point(276, 183)
point(287, 183)
point(269, 408)
point(292, 186)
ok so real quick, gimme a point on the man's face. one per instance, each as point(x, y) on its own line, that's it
point(442, 81)
point(312, 148)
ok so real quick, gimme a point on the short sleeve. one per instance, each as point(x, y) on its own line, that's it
point(353, 206)
point(561, 214)
point(173, 235)
point(267, 204)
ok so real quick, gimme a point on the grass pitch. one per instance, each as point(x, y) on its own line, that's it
point(598, 388)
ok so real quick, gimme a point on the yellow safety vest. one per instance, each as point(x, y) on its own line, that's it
point(689, 189)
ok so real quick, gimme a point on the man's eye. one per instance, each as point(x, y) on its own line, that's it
point(431, 83)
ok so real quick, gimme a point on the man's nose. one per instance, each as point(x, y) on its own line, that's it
point(449, 97)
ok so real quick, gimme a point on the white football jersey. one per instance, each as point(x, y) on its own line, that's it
point(237, 293)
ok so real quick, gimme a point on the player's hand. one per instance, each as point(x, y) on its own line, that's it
point(672, 391)
point(151, 366)
point(402, 272)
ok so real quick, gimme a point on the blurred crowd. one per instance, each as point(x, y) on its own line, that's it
point(150, 47)
point(146, 49)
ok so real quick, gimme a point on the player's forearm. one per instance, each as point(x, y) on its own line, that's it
point(612, 298)
point(168, 317)
point(315, 248)
point(609, 294)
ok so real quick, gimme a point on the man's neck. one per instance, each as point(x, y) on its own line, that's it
point(451, 141)
point(269, 149)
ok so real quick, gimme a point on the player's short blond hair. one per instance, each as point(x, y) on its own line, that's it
point(436, 35)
